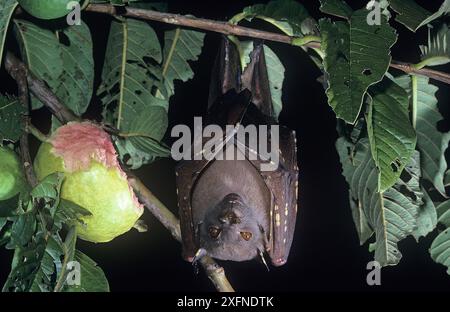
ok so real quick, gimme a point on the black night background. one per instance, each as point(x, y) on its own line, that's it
point(325, 254)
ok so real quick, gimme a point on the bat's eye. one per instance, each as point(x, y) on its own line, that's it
point(246, 235)
point(214, 232)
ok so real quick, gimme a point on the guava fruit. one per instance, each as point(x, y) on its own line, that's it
point(12, 180)
point(93, 179)
point(46, 9)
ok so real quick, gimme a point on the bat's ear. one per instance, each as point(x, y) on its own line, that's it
point(256, 79)
point(226, 72)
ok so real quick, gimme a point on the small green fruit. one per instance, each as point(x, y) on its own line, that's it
point(46, 9)
point(11, 174)
point(93, 179)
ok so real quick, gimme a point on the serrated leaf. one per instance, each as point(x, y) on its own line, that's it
point(275, 72)
point(357, 55)
point(440, 249)
point(436, 52)
point(41, 51)
point(391, 214)
point(180, 46)
point(7, 8)
point(336, 7)
point(11, 113)
point(76, 82)
point(391, 135)
point(92, 277)
point(430, 141)
point(286, 15)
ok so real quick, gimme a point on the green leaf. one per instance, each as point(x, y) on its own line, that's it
point(287, 15)
point(148, 129)
point(336, 7)
point(391, 214)
point(49, 187)
point(92, 277)
point(427, 217)
point(436, 52)
point(349, 157)
point(409, 13)
point(68, 250)
point(275, 72)
point(41, 51)
point(356, 56)
point(443, 212)
point(413, 16)
point(7, 8)
point(430, 141)
point(180, 46)
point(440, 249)
point(129, 76)
point(11, 113)
point(391, 135)
point(76, 82)
point(40, 253)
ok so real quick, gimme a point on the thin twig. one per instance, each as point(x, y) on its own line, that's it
point(430, 73)
point(236, 30)
point(20, 73)
point(215, 273)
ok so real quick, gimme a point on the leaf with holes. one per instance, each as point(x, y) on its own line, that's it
point(431, 142)
point(41, 51)
point(391, 214)
point(391, 135)
point(357, 55)
point(131, 76)
point(76, 82)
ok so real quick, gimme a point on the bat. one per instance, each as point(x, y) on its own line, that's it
point(231, 209)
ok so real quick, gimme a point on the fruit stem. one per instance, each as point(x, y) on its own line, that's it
point(31, 129)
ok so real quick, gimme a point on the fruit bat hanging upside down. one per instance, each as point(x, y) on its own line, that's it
point(232, 209)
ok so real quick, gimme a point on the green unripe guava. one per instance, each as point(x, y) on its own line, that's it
point(46, 9)
point(12, 180)
point(93, 180)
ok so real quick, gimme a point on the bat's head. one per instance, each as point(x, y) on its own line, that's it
point(230, 231)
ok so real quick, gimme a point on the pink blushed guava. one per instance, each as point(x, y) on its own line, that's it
point(12, 180)
point(93, 179)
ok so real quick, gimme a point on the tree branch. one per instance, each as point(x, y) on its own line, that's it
point(230, 29)
point(40, 90)
point(21, 74)
point(193, 22)
point(215, 272)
